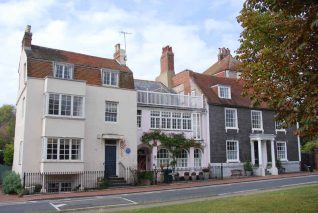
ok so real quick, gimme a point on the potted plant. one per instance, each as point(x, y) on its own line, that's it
point(201, 176)
point(193, 176)
point(145, 177)
point(186, 176)
point(248, 168)
point(176, 176)
point(206, 173)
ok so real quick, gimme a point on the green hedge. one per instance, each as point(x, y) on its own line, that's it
point(3, 170)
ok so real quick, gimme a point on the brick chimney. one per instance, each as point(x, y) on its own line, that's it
point(120, 55)
point(27, 38)
point(223, 52)
point(167, 67)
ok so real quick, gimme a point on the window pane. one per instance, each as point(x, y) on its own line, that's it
point(78, 106)
point(66, 105)
point(111, 111)
point(54, 103)
point(232, 150)
point(76, 149)
point(64, 149)
point(256, 120)
point(58, 71)
point(163, 157)
point(51, 150)
point(114, 79)
point(230, 118)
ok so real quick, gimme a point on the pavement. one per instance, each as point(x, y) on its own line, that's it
point(137, 189)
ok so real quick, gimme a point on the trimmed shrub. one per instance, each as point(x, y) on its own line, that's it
point(11, 183)
point(103, 183)
point(8, 154)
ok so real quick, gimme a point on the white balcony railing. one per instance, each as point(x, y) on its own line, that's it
point(169, 99)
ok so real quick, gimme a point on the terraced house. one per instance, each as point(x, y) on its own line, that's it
point(73, 116)
point(160, 107)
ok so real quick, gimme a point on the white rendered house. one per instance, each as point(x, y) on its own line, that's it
point(160, 107)
point(73, 115)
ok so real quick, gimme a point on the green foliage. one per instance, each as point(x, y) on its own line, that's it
point(248, 166)
point(103, 183)
point(37, 188)
point(279, 59)
point(145, 175)
point(8, 154)
point(309, 146)
point(174, 143)
point(7, 125)
point(11, 183)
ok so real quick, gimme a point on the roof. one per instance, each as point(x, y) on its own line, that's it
point(44, 53)
point(227, 63)
point(205, 82)
point(152, 86)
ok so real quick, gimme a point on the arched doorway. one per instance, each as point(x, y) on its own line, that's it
point(143, 158)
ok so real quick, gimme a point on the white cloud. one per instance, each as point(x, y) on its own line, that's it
point(94, 29)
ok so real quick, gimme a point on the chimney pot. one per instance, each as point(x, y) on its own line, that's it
point(28, 29)
point(27, 38)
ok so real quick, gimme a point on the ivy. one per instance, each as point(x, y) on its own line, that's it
point(174, 143)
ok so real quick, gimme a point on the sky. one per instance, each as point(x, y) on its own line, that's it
point(194, 29)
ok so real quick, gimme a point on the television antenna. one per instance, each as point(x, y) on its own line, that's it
point(125, 33)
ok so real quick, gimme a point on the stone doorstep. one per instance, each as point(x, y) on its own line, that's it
point(136, 189)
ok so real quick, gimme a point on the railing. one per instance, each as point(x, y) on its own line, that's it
point(127, 173)
point(169, 99)
point(49, 182)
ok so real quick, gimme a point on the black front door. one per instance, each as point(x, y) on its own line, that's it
point(110, 160)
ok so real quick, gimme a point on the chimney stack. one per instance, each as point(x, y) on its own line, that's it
point(167, 67)
point(167, 59)
point(120, 55)
point(27, 38)
point(223, 52)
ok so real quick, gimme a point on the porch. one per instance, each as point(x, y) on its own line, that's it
point(259, 153)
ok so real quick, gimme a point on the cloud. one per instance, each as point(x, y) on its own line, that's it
point(92, 27)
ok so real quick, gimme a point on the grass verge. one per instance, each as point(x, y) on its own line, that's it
point(300, 199)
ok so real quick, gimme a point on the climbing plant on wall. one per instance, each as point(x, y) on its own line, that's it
point(174, 143)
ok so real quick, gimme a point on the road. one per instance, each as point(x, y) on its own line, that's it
point(144, 198)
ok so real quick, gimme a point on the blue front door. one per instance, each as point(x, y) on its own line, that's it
point(110, 160)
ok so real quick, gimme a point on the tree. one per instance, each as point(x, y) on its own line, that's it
point(8, 154)
point(279, 55)
point(7, 125)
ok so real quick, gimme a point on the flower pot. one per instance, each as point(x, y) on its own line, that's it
point(248, 173)
point(161, 178)
point(201, 177)
point(176, 178)
point(193, 177)
point(186, 177)
point(206, 175)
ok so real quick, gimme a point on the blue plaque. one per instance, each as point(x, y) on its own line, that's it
point(128, 150)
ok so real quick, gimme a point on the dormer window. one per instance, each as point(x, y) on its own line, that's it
point(110, 78)
point(224, 92)
point(63, 71)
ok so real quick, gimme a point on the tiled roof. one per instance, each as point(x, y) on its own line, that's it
point(87, 68)
point(227, 63)
point(206, 83)
point(50, 54)
point(152, 86)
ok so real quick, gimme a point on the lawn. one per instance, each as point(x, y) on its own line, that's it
point(300, 199)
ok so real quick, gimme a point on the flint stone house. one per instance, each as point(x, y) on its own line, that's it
point(237, 132)
point(161, 108)
point(73, 115)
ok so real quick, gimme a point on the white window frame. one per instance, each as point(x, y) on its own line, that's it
point(166, 160)
point(277, 125)
point(20, 152)
point(44, 150)
point(285, 151)
point(261, 120)
point(64, 65)
point(237, 151)
point(197, 162)
point(112, 73)
point(60, 106)
point(182, 162)
point(196, 126)
point(113, 113)
point(170, 120)
point(235, 117)
point(224, 87)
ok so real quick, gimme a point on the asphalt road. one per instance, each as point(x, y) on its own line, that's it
point(119, 201)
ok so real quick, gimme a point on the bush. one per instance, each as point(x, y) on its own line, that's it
point(145, 175)
point(103, 183)
point(11, 183)
point(309, 146)
point(193, 173)
point(206, 169)
point(248, 166)
point(8, 154)
point(37, 188)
